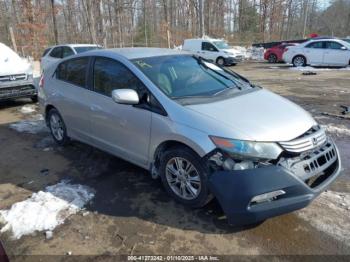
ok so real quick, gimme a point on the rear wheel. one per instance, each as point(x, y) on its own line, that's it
point(220, 61)
point(299, 61)
point(184, 176)
point(57, 127)
point(272, 58)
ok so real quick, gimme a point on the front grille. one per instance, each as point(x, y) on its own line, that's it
point(17, 91)
point(313, 138)
point(10, 78)
point(315, 166)
point(239, 57)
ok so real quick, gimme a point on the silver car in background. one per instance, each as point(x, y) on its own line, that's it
point(55, 53)
point(204, 130)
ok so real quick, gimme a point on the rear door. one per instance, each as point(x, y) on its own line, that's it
point(335, 55)
point(71, 96)
point(314, 53)
point(118, 128)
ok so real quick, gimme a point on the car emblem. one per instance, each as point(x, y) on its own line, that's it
point(314, 141)
point(12, 78)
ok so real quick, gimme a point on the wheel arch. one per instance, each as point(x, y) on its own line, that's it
point(302, 55)
point(47, 110)
point(165, 145)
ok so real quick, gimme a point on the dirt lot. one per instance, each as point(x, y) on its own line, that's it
point(132, 214)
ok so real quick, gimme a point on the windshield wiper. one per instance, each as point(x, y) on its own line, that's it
point(200, 62)
point(190, 97)
point(224, 90)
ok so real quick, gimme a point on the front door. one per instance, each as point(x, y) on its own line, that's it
point(119, 128)
point(335, 55)
point(209, 51)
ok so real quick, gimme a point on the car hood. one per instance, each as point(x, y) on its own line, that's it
point(259, 115)
point(11, 63)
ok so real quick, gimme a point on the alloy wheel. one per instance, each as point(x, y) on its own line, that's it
point(299, 61)
point(183, 178)
point(57, 127)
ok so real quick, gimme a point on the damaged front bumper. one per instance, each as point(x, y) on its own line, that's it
point(236, 189)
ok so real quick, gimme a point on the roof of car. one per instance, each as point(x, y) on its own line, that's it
point(142, 52)
point(327, 40)
point(74, 45)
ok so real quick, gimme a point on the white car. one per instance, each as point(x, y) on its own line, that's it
point(55, 53)
point(215, 50)
point(321, 52)
point(16, 76)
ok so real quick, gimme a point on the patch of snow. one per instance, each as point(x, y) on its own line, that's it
point(255, 53)
point(330, 213)
point(45, 210)
point(34, 126)
point(27, 109)
point(337, 130)
point(310, 68)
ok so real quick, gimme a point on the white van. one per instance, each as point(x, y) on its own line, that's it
point(216, 50)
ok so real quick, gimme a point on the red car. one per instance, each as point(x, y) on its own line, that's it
point(274, 54)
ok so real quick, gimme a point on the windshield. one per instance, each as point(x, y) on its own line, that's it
point(184, 76)
point(221, 45)
point(82, 49)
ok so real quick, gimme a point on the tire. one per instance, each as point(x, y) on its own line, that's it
point(57, 127)
point(189, 188)
point(34, 99)
point(272, 59)
point(220, 61)
point(299, 61)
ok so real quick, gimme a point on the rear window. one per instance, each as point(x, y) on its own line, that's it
point(46, 51)
point(73, 71)
point(82, 49)
point(56, 52)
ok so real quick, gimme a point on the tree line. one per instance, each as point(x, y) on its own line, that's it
point(31, 25)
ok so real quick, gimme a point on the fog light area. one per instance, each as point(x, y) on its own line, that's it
point(267, 197)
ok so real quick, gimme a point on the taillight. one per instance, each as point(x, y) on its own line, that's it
point(41, 82)
point(286, 49)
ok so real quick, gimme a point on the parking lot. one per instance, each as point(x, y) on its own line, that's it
point(131, 213)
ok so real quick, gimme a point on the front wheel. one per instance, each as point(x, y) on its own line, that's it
point(220, 61)
point(57, 127)
point(184, 176)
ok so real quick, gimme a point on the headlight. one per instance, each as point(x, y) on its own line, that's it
point(247, 149)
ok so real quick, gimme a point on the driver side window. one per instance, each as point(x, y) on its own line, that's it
point(110, 74)
point(334, 45)
point(206, 46)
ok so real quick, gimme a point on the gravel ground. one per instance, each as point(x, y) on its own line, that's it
point(131, 213)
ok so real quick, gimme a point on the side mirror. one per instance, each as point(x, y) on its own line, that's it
point(125, 96)
point(343, 48)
